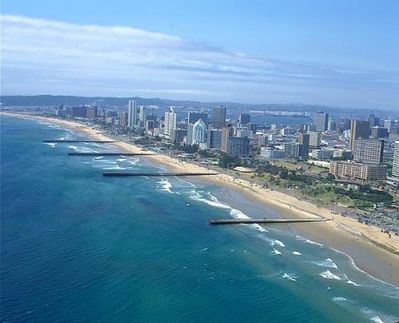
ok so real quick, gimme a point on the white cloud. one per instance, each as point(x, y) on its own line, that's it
point(49, 57)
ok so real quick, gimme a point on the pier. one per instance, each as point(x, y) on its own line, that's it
point(77, 141)
point(155, 174)
point(263, 221)
point(108, 154)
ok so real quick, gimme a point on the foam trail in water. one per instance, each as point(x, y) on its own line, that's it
point(329, 263)
point(51, 144)
point(350, 282)
point(290, 277)
point(308, 241)
point(296, 253)
point(339, 299)
point(278, 243)
point(117, 167)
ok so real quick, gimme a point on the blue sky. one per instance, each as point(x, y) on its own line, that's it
point(342, 53)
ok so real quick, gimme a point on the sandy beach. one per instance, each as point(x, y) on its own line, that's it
point(372, 251)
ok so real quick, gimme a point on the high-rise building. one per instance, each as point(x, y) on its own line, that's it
point(388, 123)
point(314, 138)
point(79, 112)
point(199, 131)
point(320, 120)
point(331, 125)
point(150, 122)
point(238, 146)
point(132, 114)
point(373, 120)
point(177, 135)
point(142, 115)
point(292, 149)
point(359, 130)
point(123, 116)
point(243, 132)
point(218, 119)
point(244, 118)
point(304, 145)
point(170, 121)
point(369, 151)
point(193, 117)
point(395, 165)
point(227, 133)
point(91, 112)
point(214, 139)
point(346, 124)
point(379, 132)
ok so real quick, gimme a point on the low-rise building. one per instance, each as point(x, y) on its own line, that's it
point(366, 172)
point(272, 153)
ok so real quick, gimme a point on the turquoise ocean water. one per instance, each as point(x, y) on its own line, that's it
point(78, 247)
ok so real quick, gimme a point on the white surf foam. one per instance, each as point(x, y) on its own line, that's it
point(329, 263)
point(296, 253)
point(213, 201)
point(313, 242)
point(290, 277)
point(352, 262)
point(329, 275)
point(132, 161)
point(237, 214)
point(198, 197)
point(376, 319)
point(166, 185)
point(51, 144)
point(278, 243)
point(117, 167)
point(339, 299)
point(98, 158)
point(276, 252)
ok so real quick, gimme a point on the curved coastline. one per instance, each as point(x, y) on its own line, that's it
point(370, 249)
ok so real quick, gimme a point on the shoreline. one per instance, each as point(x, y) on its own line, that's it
point(370, 249)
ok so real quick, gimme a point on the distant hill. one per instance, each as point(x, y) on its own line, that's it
point(120, 102)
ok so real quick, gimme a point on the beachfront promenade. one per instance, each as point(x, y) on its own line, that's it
point(152, 174)
point(78, 141)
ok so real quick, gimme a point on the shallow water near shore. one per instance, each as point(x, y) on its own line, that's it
point(76, 246)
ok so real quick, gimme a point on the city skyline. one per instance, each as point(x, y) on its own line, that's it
point(57, 53)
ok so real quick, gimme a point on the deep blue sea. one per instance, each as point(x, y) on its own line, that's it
point(80, 247)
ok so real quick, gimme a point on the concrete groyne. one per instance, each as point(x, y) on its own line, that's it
point(263, 221)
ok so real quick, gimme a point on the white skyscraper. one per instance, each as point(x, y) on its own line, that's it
point(170, 121)
point(199, 130)
point(395, 166)
point(132, 114)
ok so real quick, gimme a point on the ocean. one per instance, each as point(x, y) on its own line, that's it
point(80, 247)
